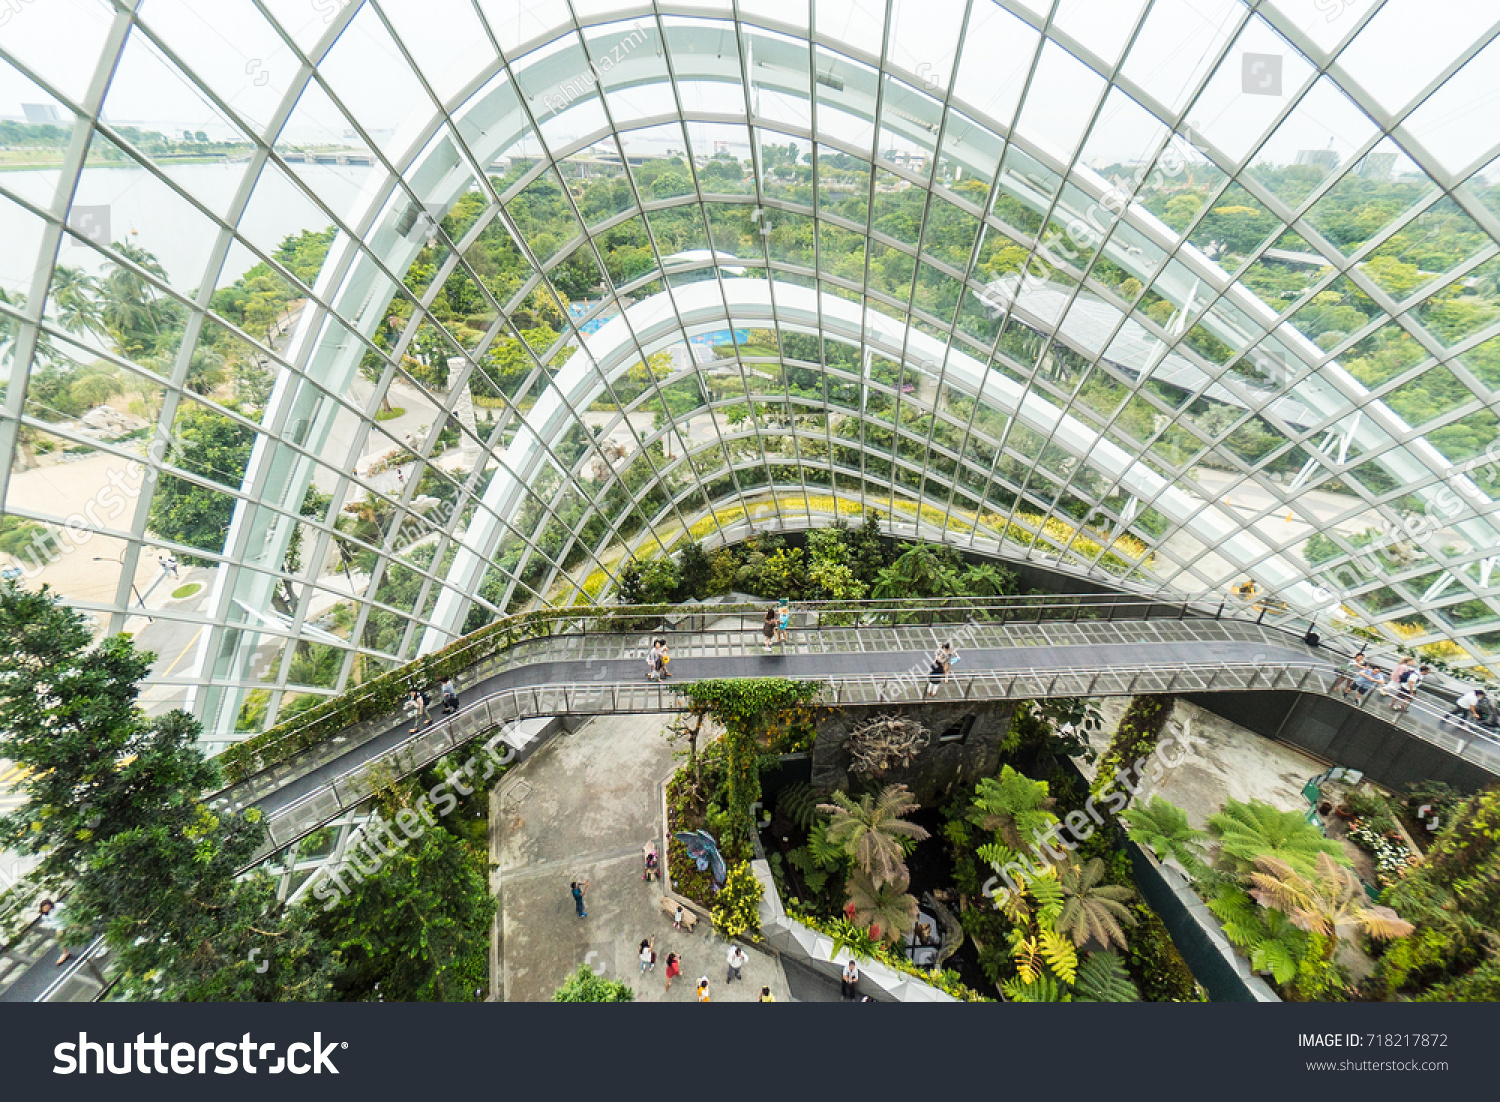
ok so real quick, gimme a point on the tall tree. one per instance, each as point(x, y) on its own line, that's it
point(871, 830)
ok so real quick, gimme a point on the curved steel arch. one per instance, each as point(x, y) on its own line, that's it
point(447, 145)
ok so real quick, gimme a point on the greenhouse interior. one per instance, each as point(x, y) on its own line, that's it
point(958, 501)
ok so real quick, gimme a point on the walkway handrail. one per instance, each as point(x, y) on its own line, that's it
point(383, 695)
point(501, 709)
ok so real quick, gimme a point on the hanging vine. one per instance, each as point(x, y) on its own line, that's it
point(750, 710)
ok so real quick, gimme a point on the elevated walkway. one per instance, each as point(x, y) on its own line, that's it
point(602, 673)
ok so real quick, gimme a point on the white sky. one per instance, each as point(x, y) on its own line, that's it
point(1406, 45)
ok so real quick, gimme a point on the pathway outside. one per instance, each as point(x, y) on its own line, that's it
point(582, 807)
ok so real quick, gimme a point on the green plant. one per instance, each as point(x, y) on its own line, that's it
point(1134, 739)
point(1092, 909)
point(1248, 831)
point(745, 708)
point(1324, 900)
point(1163, 828)
point(885, 910)
point(799, 803)
point(736, 910)
point(583, 986)
point(1103, 978)
point(871, 830)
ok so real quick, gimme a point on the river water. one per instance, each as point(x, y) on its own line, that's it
point(142, 211)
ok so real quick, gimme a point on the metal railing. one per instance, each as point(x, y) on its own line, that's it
point(505, 707)
point(488, 645)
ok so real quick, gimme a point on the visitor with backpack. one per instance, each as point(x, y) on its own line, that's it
point(1406, 688)
point(450, 696)
point(416, 703)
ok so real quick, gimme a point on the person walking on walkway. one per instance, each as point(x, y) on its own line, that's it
point(653, 660)
point(450, 696)
point(737, 959)
point(53, 921)
point(578, 888)
point(783, 621)
point(1347, 673)
point(768, 628)
point(674, 968)
point(849, 981)
point(1406, 691)
point(662, 658)
point(648, 955)
point(1472, 707)
point(703, 989)
point(941, 663)
point(418, 707)
point(766, 996)
point(1365, 680)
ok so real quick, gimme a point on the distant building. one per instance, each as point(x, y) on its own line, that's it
point(43, 113)
point(1326, 159)
point(1376, 166)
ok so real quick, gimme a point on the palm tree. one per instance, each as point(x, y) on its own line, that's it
point(871, 830)
point(1163, 828)
point(886, 910)
point(1247, 831)
point(1322, 902)
point(1092, 910)
point(74, 294)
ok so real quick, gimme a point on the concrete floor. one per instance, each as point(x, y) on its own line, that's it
point(581, 807)
point(1226, 763)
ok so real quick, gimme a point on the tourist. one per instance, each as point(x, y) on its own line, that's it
point(52, 920)
point(766, 996)
point(1404, 668)
point(653, 660)
point(737, 959)
point(648, 955)
point(1365, 680)
point(1407, 691)
point(653, 869)
point(450, 696)
point(849, 981)
point(941, 662)
point(417, 705)
point(674, 968)
point(1472, 706)
point(662, 658)
point(1347, 673)
point(768, 628)
point(578, 889)
point(783, 621)
point(703, 989)
point(677, 918)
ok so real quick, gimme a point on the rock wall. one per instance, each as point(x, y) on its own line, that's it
point(941, 768)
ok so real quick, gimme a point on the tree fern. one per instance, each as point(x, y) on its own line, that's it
point(1013, 806)
point(1249, 830)
point(1164, 829)
point(870, 830)
point(1102, 978)
point(1092, 909)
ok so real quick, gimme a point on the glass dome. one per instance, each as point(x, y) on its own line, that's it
point(334, 330)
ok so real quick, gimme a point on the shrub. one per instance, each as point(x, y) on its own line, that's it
point(736, 911)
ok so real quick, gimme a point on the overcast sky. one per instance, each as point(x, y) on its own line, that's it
point(232, 46)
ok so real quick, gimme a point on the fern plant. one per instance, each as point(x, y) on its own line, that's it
point(1042, 989)
point(1102, 978)
point(1163, 828)
point(798, 803)
point(1247, 831)
point(1092, 909)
